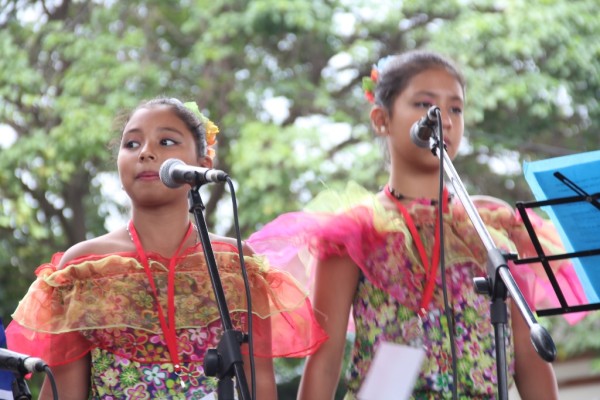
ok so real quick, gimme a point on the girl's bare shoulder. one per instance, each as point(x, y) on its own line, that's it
point(113, 242)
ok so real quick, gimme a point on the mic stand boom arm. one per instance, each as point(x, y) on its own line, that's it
point(226, 361)
point(498, 283)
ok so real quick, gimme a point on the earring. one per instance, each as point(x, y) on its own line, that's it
point(382, 129)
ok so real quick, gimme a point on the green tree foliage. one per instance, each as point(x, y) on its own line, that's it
point(282, 80)
point(534, 79)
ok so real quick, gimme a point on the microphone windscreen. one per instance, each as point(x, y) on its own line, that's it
point(166, 176)
point(416, 133)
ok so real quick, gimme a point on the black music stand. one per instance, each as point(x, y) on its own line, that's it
point(545, 259)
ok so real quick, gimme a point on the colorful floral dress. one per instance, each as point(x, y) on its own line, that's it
point(392, 279)
point(104, 305)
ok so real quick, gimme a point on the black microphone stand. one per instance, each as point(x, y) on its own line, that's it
point(225, 362)
point(20, 389)
point(498, 283)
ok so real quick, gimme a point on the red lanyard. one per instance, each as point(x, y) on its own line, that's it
point(430, 267)
point(167, 328)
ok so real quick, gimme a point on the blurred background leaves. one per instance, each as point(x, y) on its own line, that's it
point(282, 80)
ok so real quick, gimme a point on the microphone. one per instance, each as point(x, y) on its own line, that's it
point(21, 363)
point(423, 129)
point(174, 173)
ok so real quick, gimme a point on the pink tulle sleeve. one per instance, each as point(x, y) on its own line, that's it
point(54, 349)
point(294, 242)
point(283, 242)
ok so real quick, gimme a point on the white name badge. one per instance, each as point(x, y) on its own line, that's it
point(393, 372)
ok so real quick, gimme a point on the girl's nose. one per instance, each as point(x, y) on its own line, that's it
point(147, 153)
point(446, 121)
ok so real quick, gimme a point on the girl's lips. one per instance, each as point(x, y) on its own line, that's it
point(147, 175)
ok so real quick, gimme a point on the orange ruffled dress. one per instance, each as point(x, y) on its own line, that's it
point(104, 304)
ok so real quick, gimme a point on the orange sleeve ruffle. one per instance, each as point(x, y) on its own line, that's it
point(104, 292)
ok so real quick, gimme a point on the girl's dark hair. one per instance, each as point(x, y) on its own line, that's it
point(189, 118)
point(400, 69)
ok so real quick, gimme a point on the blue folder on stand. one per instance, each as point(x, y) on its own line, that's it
point(568, 190)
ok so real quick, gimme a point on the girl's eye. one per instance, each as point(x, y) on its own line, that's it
point(131, 144)
point(168, 142)
point(456, 110)
point(423, 104)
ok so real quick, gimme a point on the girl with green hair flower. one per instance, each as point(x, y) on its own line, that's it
point(131, 314)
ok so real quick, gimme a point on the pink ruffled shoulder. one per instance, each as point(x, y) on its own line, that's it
point(334, 223)
point(353, 222)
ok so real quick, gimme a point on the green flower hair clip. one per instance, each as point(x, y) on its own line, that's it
point(211, 128)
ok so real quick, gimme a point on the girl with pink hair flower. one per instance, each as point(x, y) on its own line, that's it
point(376, 256)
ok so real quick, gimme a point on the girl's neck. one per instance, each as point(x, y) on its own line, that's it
point(162, 232)
point(415, 185)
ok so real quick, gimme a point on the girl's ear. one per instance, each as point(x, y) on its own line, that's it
point(206, 162)
point(379, 121)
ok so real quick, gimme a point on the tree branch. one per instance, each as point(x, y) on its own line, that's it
point(340, 146)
